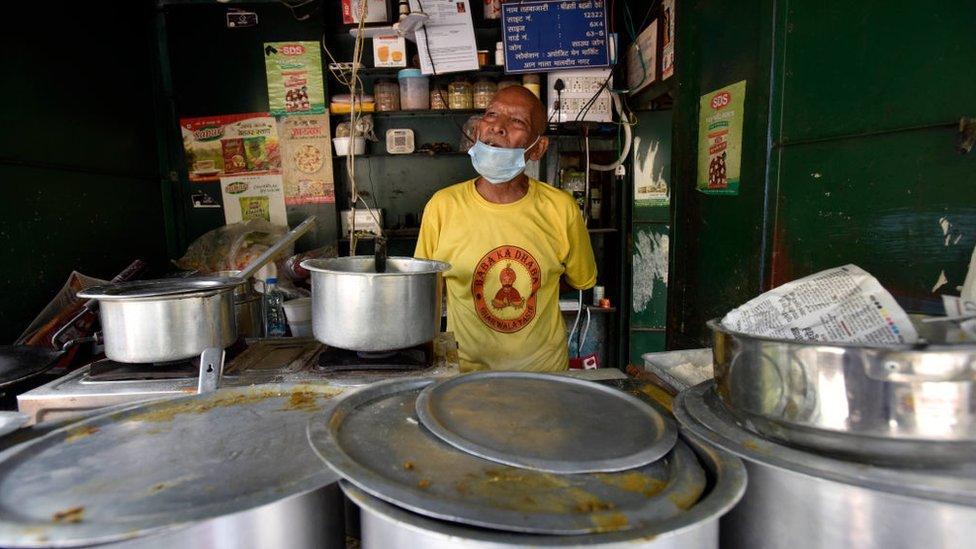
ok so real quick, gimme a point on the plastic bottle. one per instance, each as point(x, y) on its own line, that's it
point(274, 313)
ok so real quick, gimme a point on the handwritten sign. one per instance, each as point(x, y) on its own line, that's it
point(555, 35)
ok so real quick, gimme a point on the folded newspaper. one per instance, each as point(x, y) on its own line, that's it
point(840, 305)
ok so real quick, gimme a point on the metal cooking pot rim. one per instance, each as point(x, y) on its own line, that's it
point(716, 325)
point(333, 265)
point(166, 287)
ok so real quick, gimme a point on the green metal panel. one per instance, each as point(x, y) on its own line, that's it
point(718, 240)
point(878, 202)
point(645, 342)
point(649, 287)
point(865, 163)
point(872, 65)
point(77, 152)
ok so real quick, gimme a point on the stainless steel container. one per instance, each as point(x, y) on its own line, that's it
point(803, 500)
point(165, 320)
point(247, 307)
point(356, 308)
point(389, 527)
point(893, 403)
point(227, 469)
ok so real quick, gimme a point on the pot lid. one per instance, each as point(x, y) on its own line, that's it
point(366, 265)
point(374, 439)
point(161, 465)
point(163, 287)
point(545, 422)
point(700, 411)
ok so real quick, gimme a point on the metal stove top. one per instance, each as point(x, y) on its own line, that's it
point(278, 360)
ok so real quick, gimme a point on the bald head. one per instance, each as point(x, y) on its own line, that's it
point(519, 98)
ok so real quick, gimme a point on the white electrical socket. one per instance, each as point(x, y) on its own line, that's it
point(580, 86)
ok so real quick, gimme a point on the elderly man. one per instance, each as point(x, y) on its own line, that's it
point(510, 240)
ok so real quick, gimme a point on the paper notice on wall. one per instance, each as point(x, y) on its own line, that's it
point(841, 305)
point(642, 59)
point(216, 146)
point(449, 32)
point(249, 197)
point(306, 158)
point(667, 39)
point(294, 71)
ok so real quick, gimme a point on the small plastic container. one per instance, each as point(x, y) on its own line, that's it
point(484, 90)
point(414, 90)
point(342, 145)
point(507, 82)
point(438, 96)
point(531, 83)
point(460, 95)
point(387, 94)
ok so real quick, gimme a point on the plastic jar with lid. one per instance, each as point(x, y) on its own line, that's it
point(460, 94)
point(438, 95)
point(414, 92)
point(531, 83)
point(484, 90)
point(387, 94)
point(507, 82)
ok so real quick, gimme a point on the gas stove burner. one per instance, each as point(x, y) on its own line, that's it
point(375, 355)
point(343, 360)
point(110, 370)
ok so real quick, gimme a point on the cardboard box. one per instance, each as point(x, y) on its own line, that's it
point(389, 51)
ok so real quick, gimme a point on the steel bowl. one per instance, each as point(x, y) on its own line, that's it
point(884, 403)
point(354, 307)
point(165, 320)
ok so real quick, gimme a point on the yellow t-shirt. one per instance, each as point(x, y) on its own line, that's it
point(503, 286)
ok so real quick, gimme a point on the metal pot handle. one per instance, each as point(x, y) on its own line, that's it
point(85, 309)
point(211, 369)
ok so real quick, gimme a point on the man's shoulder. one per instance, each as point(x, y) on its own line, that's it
point(449, 194)
point(558, 197)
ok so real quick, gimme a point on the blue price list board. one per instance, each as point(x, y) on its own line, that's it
point(555, 35)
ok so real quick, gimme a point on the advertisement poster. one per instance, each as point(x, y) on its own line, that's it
point(216, 146)
point(651, 168)
point(294, 78)
point(306, 159)
point(249, 197)
point(667, 39)
point(720, 116)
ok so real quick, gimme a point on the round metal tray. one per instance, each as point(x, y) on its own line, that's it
point(157, 466)
point(700, 411)
point(545, 422)
point(374, 439)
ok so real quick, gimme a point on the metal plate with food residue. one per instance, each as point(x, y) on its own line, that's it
point(374, 439)
point(162, 465)
point(546, 422)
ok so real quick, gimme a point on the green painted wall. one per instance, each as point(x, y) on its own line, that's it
point(848, 150)
point(78, 166)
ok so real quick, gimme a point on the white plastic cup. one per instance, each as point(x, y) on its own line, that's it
point(300, 329)
point(298, 310)
point(341, 145)
point(598, 294)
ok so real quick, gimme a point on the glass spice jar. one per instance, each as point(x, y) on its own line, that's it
point(387, 95)
point(460, 95)
point(484, 90)
point(438, 96)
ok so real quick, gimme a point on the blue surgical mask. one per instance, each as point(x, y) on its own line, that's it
point(498, 164)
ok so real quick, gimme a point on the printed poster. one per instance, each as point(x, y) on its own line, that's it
point(642, 59)
point(294, 72)
point(217, 146)
point(249, 197)
point(306, 158)
point(667, 39)
point(720, 116)
point(651, 169)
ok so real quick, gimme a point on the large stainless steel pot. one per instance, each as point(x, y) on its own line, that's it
point(165, 320)
point(803, 500)
point(247, 307)
point(893, 403)
point(354, 307)
point(387, 526)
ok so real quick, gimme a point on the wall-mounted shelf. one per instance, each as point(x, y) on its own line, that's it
point(391, 72)
point(423, 113)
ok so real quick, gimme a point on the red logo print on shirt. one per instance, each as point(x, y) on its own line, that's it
point(504, 288)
